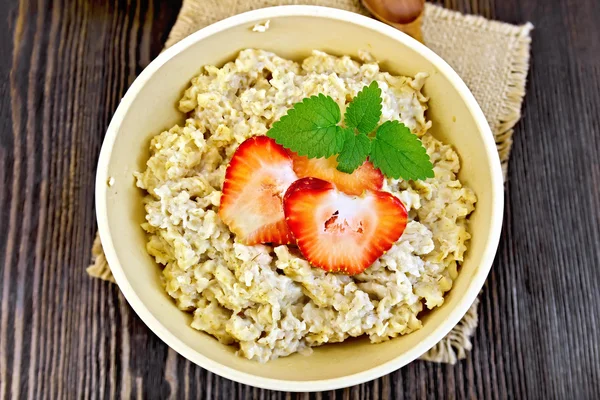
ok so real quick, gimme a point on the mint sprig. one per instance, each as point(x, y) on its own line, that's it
point(364, 110)
point(354, 153)
point(311, 128)
point(400, 154)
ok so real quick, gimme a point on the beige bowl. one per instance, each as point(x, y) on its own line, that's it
point(150, 107)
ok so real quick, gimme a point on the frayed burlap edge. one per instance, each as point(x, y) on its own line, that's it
point(510, 112)
point(457, 343)
point(99, 267)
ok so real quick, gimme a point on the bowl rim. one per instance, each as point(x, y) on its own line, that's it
point(454, 316)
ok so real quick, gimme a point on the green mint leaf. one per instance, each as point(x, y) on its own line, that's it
point(311, 128)
point(355, 151)
point(364, 110)
point(400, 154)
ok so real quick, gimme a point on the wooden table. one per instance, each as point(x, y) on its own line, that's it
point(64, 66)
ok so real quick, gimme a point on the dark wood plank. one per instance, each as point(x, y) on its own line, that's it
point(65, 66)
point(64, 335)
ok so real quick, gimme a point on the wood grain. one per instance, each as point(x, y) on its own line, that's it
point(65, 65)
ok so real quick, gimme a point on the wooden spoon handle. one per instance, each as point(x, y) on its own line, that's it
point(413, 29)
point(396, 11)
point(404, 15)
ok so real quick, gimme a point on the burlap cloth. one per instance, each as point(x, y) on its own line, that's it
point(491, 57)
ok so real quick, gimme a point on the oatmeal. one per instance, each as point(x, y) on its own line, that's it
point(269, 301)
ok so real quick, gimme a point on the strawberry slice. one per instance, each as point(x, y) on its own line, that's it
point(365, 177)
point(256, 179)
point(338, 232)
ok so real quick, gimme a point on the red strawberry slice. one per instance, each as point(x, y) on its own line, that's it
point(365, 177)
point(256, 179)
point(338, 232)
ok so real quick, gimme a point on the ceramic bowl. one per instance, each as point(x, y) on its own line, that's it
point(149, 107)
